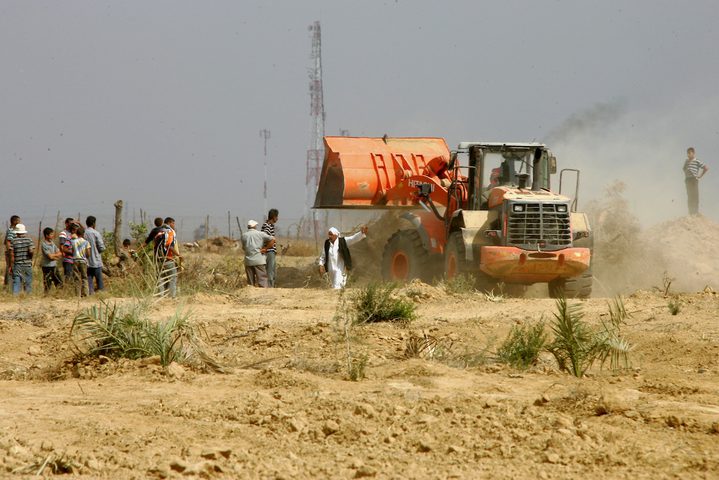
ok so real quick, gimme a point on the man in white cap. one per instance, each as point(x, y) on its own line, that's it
point(254, 242)
point(336, 260)
point(9, 235)
point(21, 250)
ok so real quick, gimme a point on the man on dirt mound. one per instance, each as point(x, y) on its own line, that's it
point(693, 171)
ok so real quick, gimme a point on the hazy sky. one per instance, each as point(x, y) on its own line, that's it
point(160, 103)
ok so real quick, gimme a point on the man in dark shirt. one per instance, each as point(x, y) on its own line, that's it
point(150, 240)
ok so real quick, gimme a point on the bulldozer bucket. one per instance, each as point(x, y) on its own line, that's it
point(358, 172)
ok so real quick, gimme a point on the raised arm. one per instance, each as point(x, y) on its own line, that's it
point(357, 237)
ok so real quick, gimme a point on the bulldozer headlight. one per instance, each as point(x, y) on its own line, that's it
point(561, 208)
point(517, 207)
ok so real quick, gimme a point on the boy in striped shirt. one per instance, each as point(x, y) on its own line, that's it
point(271, 252)
point(693, 171)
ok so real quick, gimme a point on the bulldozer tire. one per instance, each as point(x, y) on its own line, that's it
point(455, 263)
point(577, 287)
point(405, 258)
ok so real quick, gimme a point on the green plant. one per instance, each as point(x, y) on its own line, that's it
point(576, 346)
point(108, 238)
point(356, 367)
point(460, 284)
point(522, 346)
point(376, 303)
point(345, 320)
point(617, 312)
point(138, 232)
point(674, 306)
point(494, 298)
point(125, 331)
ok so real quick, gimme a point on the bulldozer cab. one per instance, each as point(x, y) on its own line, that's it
point(500, 164)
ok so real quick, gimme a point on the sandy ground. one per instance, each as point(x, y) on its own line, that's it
point(286, 409)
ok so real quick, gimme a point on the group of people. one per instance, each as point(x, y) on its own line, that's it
point(261, 249)
point(78, 250)
point(73, 258)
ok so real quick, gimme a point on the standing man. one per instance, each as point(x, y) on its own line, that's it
point(21, 250)
point(151, 236)
point(94, 259)
point(9, 235)
point(271, 252)
point(50, 255)
point(692, 169)
point(167, 254)
point(335, 259)
point(253, 242)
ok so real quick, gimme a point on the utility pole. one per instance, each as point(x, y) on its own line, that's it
point(344, 133)
point(265, 135)
point(317, 111)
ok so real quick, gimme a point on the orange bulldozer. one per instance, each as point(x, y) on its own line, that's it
point(485, 210)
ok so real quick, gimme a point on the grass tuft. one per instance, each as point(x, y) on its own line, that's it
point(674, 306)
point(522, 346)
point(377, 303)
point(460, 284)
point(617, 312)
point(576, 346)
point(125, 332)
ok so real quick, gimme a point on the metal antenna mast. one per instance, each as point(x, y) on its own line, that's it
point(265, 135)
point(317, 112)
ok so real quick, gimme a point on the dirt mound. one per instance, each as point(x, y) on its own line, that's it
point(628, 258)
point(687, 247)
point(419, 292)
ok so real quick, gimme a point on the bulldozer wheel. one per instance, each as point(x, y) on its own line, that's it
point(455, 263)
point(577, 287)
point(405, 258)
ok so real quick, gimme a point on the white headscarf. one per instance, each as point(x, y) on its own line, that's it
point(334, 231)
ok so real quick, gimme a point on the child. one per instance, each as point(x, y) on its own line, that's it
point(80, 251)
point(50, 255)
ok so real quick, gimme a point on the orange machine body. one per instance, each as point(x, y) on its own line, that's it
point(377, 172)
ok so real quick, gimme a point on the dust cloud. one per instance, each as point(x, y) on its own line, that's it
point(632, 186)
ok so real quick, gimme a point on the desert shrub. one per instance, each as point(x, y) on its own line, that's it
point(617, 312)
point(522, 346)
point(357, 366)
point(460, 284)
point(377, 303)
point(125, 331)
point(674, 306)
point(467, 357)
point(108, 238)
point(494, 297)
point(576, 346)
point(138, 232)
